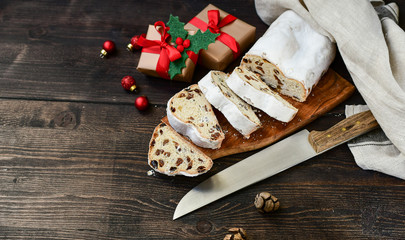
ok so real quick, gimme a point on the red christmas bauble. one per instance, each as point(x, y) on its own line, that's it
point(133, 45)
point(108, 48)
point(128, 83)
point(141, 103)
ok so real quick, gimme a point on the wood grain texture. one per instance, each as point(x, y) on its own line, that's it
point(59, 49)
point(345, 130)
point(331, 90)
point(73, 149)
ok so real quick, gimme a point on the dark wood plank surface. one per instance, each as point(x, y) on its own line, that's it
point(73, 148)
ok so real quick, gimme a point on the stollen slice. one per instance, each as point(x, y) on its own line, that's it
point(190, 114)
point(238, 113)
point(170, 154)
point(254, 91)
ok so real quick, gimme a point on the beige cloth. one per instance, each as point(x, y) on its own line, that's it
point(374, 54)
point(374, 151)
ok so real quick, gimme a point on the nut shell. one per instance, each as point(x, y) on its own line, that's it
point(236, 234)
point(265, 202)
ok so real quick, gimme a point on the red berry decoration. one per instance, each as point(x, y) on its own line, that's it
point(128, 83)
point(180, 48)
point(186, 43)
point(179, 41)
point(108, 48)
point(133, 45)
point(141, 103)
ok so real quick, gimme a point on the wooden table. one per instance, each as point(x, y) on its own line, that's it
point(73, 148)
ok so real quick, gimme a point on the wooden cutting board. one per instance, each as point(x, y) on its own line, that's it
point(331, 90)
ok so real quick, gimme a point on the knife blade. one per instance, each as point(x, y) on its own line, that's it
point(274, 159)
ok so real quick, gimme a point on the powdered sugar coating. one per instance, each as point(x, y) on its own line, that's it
point(250, 88)
point(298, 50)
point(238, 113)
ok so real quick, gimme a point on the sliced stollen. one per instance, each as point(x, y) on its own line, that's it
point(190, 114)
point(170, 154)
point(291, 56)
point(249, 87)
point(238, 113)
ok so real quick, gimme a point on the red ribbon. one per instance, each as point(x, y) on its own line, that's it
point(167, 52)
point(192, 56)
point(214, 25)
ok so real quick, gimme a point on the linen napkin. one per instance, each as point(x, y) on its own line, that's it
point(374, 54)
point(374, 151)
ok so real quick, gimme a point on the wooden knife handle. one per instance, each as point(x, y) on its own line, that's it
point(343, 131)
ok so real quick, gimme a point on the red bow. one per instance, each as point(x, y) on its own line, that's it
point(214, 25)
point(167, 52)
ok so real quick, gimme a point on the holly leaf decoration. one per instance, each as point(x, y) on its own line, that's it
point(198, 41)
point(201, 40)
point(177, 66)
point(176, 28)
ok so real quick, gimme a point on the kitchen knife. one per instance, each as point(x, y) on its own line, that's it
point(274, 159)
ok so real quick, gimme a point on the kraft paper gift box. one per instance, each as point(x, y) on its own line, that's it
point(149, 59)
point(218, 55)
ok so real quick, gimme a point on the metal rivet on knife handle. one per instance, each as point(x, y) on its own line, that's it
point(342, 132)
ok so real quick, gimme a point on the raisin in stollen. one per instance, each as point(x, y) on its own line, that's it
point(291, 56)
point(170, 154)
point(190, 114)
point(254, 91)
point(238, 113)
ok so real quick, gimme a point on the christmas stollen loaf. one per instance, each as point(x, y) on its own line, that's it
point(249, 87)
point(238, 113)
point(190, 114)
point(291, 56)
point(170, 154)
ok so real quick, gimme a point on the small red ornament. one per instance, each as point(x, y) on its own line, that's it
point(186, 43)
point(128, 83)
point(141, 103)
point(179, 41)
point(180, 48)
point(133, 45)
point(108, 48)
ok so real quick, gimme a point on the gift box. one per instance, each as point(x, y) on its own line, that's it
point(155, 56)
point(235, 37)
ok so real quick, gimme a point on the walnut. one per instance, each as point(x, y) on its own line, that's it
point(236, 234)
point(265, 202)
